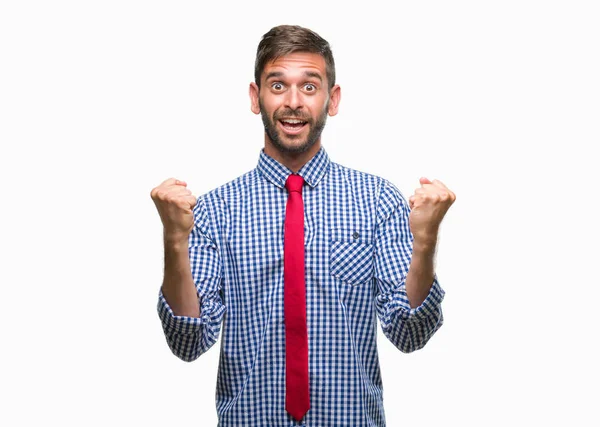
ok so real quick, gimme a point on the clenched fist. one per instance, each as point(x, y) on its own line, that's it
point(428, 206)
point(175, 203)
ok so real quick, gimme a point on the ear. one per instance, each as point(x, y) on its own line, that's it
point(254, 105)
point(335, 96)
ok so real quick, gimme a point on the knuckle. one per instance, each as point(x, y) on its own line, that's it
point(173, 199)
point(163, 194)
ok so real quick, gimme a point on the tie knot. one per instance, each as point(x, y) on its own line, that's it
point(294, 183)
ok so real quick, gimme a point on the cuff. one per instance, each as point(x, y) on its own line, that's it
point(430, 306)
point(395, 303)
point(182, 325)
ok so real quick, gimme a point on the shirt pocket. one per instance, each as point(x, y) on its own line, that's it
point(351, 255)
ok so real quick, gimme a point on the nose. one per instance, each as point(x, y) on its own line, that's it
point(293, 99)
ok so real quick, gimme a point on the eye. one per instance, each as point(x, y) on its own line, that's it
point(277, 86)
point(309, 87)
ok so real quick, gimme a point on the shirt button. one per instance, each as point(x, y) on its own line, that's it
point(355, 235)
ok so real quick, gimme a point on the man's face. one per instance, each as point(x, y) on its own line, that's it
point(294, 101)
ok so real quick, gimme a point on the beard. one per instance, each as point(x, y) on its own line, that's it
point(316, 128)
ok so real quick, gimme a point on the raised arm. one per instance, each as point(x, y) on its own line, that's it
point(174, 203)
point(428, 205)
point(189, 305)
point(408, 296)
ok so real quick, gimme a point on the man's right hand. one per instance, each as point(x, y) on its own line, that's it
point(175, 203)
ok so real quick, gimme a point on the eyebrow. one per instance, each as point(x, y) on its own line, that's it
point(275, 74)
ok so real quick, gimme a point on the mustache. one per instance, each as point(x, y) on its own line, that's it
point(289, 113)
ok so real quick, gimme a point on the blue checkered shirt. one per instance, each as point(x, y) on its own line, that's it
point(358, 249)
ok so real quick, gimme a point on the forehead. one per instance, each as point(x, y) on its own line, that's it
point(297, 63)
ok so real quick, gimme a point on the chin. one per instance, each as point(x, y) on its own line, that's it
point(295, 147)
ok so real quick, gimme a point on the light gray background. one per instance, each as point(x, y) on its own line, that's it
point(101, 101)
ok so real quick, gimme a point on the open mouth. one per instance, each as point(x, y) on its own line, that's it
point(292, 126)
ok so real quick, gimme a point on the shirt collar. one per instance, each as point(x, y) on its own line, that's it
point(312, 171)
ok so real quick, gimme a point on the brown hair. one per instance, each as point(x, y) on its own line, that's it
point(286, 39)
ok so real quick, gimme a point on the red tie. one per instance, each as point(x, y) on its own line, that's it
point(297, 399)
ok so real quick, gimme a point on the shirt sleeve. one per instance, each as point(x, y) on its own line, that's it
point(189, 337)
point(407, 328)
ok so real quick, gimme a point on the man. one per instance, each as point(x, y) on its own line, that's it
point(297, 259)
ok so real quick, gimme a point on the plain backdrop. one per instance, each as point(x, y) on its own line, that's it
point(100, 101)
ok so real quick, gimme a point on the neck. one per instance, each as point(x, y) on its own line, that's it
point(293, 161)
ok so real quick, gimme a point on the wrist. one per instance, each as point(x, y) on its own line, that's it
point(175, 241)
point(424, 244)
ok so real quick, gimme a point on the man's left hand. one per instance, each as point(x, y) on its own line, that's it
point(428, 205)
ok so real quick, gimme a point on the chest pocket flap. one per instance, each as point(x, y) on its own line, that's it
point(351, 255)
